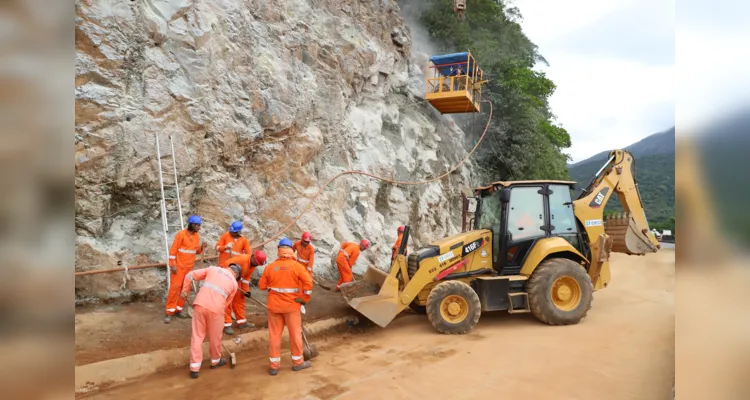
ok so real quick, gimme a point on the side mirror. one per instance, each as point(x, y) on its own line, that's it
point(505, 195)
point(471, 204)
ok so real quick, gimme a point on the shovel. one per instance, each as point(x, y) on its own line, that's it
point(232, 357)
point(310, 351)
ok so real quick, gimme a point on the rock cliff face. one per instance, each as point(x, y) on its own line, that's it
point(265, 101)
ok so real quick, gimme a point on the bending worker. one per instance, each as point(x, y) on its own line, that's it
point(398, 244)
point(181, 261)
point(232, 244)
point(289, 287)
point(305, 251)
point(346, 258)
point(216, 293)
point(247, 264)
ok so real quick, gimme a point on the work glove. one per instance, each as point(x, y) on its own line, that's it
point(173, 269)
point(247, 294)
point(298, 300)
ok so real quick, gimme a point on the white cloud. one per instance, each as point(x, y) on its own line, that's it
point(603, 101)
point(712, 74)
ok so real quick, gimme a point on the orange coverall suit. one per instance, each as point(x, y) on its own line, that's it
point(305, 255)
point(215, 294)
point(345, 261)
point(284, 279)
point(229, 247)
point(238, 304)
point(396, 246)
point(182, 255)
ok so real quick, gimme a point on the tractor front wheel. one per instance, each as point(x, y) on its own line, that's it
point(453, 307)
point(560, 292)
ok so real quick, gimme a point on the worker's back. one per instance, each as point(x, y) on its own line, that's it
point(352, 249)
point(286, 280)
point(218, 289)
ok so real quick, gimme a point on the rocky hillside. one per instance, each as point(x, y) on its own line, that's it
point(266, 100)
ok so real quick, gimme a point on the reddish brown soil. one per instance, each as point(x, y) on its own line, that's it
point(113, 331)
point(623, 350)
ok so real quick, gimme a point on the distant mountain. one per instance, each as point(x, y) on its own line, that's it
point(658, 143)
point(654, 173)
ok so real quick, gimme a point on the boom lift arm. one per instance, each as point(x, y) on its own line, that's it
point(629, 234)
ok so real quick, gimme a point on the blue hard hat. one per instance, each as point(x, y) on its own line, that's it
point(194, 219)
point(285, 242)
point(236, 226)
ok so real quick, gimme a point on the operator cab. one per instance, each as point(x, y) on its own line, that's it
point(520, 214)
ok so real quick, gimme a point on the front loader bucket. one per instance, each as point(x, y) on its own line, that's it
point(626, 238)
point(375, 296)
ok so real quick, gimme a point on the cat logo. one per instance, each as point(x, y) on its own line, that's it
point(599, 199)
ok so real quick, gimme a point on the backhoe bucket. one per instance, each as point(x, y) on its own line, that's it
point(626, 238)
point(375, 296)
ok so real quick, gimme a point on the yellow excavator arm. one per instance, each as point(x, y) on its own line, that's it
point(626, 233)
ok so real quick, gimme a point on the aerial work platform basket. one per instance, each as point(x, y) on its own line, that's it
point(454, 83)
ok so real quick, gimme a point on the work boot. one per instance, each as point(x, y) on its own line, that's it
point(246, 325)
point(273, 372)
point(222, 362)
point(167, 319)
point(182, 315)
point(193, 374)
point(304, 365)
point(228, 330)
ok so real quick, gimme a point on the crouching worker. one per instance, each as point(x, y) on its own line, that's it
point(289, 287)
point(216, 293)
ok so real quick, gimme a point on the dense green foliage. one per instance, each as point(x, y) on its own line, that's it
point(523, 141)
point(655, 177)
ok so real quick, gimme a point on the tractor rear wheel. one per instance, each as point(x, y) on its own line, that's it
point(453, 307)
point(560, 292)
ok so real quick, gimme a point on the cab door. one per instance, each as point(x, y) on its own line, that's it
point(525, 216)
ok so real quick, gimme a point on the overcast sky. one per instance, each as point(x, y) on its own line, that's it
point(613, 64)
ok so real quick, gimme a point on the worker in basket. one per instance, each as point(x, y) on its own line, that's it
point(289, 289)
point(247, 264)
point(346, 258)
point(216, 293)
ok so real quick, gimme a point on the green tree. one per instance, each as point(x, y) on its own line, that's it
point(524, 141)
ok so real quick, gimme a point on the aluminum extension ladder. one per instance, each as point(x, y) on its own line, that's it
point(170, 192)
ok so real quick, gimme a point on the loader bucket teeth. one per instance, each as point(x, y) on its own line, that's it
point(375, 296)
point(626, 238)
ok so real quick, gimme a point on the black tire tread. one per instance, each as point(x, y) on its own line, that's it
point(538, 287)
point(441, 291)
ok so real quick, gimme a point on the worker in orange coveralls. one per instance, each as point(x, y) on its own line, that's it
point(289, 288)
point(305, 251)
point(398, 243)
point(247, 264)
point(232, 244)
point(181, 261)
point(346, 258)
point(216, 293)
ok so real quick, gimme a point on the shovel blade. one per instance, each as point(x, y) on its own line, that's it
point(375, 296)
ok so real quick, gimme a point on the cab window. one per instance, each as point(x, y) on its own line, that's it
point(526, 213)
point(561, 211)
point(491, 218)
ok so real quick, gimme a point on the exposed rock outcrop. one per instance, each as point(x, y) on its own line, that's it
point(265, 101)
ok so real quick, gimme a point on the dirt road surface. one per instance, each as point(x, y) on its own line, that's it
point(114, 331)
point(624, 349)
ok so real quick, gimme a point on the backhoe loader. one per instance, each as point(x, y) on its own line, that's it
point(531, 249)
